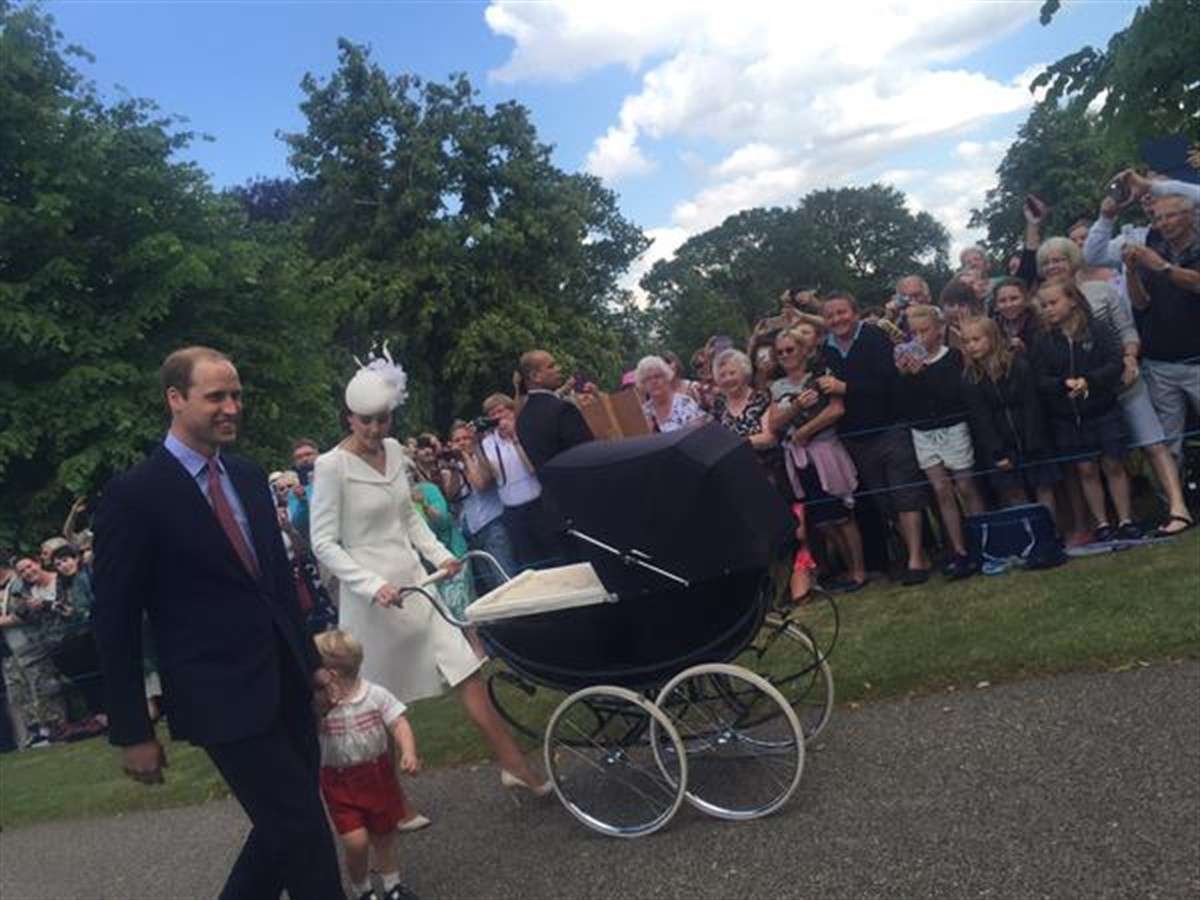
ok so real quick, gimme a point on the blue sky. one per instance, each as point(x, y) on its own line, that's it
point(689, 110)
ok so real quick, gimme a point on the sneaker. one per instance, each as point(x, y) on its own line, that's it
point(1104, 534)
point(959, 567)
point(414, 823)
point(400, 892)
point(1130, 531)
point(36, 740)
point(913, 577)
point(846, 585)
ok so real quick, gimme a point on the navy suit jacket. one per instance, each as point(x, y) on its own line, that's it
point(223, 637)
point(548, 425)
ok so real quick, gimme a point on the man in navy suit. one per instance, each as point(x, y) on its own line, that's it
point(189, 538)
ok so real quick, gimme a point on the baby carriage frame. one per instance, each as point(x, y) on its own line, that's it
point(660, 702)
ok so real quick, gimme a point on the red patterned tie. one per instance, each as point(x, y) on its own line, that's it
point(224, 512)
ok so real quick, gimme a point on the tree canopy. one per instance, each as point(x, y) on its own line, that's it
point(416, 215)
point(860, 239)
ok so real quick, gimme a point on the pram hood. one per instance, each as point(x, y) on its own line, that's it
point(695, 500)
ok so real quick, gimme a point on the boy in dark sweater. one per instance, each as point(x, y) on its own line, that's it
point(863, 372)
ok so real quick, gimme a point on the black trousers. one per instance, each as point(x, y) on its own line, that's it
point(77, 659)
point(275, 777)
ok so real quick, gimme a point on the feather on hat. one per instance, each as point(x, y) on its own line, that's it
point(379, 385)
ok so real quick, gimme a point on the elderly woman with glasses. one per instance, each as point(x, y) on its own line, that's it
point(370, 534)
point(821, 472)
point(664, 407)
point(1061, 258)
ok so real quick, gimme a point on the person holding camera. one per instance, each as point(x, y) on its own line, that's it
point(304, 456)
point(1101, 247)
point(482, 509)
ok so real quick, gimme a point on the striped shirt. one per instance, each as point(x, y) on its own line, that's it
point(356, 729)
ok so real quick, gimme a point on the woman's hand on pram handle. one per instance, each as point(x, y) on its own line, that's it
point(388, 595)
point(448, 569)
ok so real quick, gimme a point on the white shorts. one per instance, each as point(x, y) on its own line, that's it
point(951, 447)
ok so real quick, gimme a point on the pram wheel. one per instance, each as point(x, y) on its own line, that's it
point(599, 758)
point(744, 744)
point(784, 654)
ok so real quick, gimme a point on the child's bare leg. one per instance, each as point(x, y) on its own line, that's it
point(800, 584)
point(1118, 487)
point(1093, 490)
point(1045, 496)
point(968, 493)
point(356, 846)
point(947, 503)
point(383, 848)
point(849, 537)
point(1075, 499)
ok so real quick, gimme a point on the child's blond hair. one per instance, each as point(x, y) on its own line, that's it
point(340, 652)
point(924, 311)
point(997, 363)
point(1075, 324)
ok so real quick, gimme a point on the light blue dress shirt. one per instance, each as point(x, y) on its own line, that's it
point(196, 465)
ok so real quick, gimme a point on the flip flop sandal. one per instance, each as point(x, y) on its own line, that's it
point(1187, 526)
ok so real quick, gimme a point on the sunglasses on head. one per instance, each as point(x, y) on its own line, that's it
point(378, 418)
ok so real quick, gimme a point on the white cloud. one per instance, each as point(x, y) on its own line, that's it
point(802, 96)
point(665, 241)
point(617, 155)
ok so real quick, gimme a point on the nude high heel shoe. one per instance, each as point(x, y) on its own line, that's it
point(512, 783)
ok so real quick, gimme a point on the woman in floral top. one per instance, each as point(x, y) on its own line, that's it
point(737, 406)
point(665, 409)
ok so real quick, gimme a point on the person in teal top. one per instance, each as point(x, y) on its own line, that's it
point(456, 591)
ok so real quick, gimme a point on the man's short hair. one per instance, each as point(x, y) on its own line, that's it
point(917, 278)
point(840, 295)
point(529, 364)
point(340, 651)
point(1188, 202)
point(304, 442)
point(176, 370)
point(495, 401)
point(958, 293)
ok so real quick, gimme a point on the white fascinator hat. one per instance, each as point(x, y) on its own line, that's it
point(379, 385)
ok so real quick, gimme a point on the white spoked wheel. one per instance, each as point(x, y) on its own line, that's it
point(599, 757)
point(745, 749)
point(784, 654)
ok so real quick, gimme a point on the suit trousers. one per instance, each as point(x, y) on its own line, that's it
point(275, 777)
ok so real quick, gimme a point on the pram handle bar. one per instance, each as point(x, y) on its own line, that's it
point(631, 557)
point(439, 574)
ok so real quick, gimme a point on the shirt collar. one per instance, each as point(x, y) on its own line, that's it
point(539, 391)
point(193, 462)
point(831, 341)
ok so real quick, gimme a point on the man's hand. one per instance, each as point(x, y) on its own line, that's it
point(144, 762)
point(325, 694)
point(1137, 183)
point(1130, 374)
point(832, 385)
point(388, 595)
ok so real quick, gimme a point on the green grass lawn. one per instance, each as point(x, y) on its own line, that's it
point(1107, 612)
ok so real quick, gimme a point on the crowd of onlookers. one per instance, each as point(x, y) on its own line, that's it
point(884, 428)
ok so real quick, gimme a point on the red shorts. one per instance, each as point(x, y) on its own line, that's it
point(364, 796)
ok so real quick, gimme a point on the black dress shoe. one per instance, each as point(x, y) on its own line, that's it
point(913, 577)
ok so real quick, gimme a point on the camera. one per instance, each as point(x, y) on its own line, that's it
point(483, 424)
point(1118, 190)
point(304, 473)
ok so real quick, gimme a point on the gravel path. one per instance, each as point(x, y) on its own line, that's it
point(1079, 786)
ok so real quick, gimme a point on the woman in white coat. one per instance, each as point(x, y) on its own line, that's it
point(367, 531)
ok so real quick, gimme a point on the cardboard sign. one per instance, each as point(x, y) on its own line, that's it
point(612, 416)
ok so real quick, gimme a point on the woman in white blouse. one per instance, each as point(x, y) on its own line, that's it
point(368, 532)
point(665, 409)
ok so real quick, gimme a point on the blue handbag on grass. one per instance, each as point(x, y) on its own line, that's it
point(1021, 536)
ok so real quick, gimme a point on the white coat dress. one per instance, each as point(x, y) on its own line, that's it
point(367, 531)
